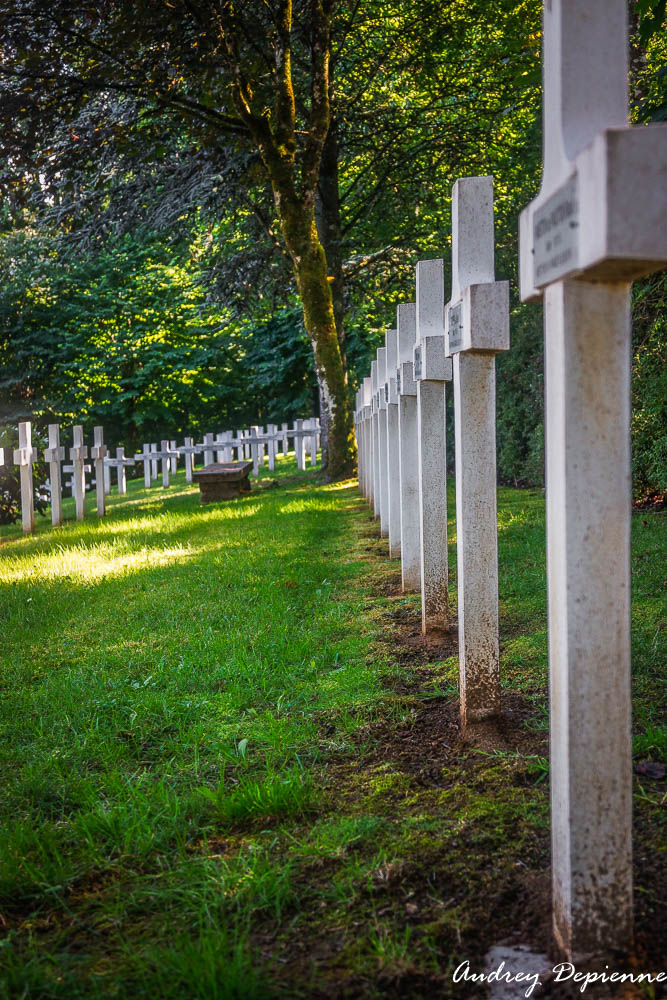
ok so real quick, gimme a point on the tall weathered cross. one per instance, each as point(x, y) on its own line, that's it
point(78, 454)
point(432, 371)
point(55, 455)
point(477, 325)
point(99, 453)
point(599, 221)
point(406, 325)
point(392, 457)
point(381, 355)
point(24, 456)
point(368, 441)
point(374, 472)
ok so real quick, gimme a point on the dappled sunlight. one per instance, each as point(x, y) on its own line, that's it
point(82, 563)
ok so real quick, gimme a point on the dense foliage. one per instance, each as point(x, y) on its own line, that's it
point(145, 280)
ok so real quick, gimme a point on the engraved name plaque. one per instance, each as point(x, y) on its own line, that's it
point(386, 392)
point(556, 235)
point(418, 363)
point(398, 381)
point(455, 326)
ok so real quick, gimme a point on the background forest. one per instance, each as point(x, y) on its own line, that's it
point(144, 282)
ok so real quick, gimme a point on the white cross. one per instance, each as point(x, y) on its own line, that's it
point(119, 463)
point(146, 459)
point(188, 450)
point(54, 455)
point(24, 456)
point(406, 387)
point(99, 453)
point(601, 218)
point(477, 326)
point(165, 455)
point(78, 453)
point(434, 369)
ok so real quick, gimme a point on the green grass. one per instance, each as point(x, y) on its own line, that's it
point(203, 782)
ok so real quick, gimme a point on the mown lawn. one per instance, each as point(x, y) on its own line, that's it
point(231, 768)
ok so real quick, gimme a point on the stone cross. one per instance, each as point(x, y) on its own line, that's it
point(272, 445)
point(99, 453)
point(188, 450)
point(228, 450)
point(260, 441)
point(78, 454)
point(598, 222)
point(254, 450)
point(154, 460)
point(55, 455)
point(477, 321)
point(24, 456)
point(312, 440)
point(393, 458)
point(207, 447)
point(284, 440)
point(375, 453)
point(174, 457)
point(147, 460)
point(299, 444)
point(406, 387)
point(119, 463)
point(165, 455)
point(366, 393)
point(432, 372)
point(381, 356)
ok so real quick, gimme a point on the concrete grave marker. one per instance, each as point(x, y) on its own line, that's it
point(299, 445)
point(284, 440)
point(147, 460)
point(154, 461)
point(254, 450)
point(120, 463)
point(99, 453)
point(393, 457)
point(435, 370)
point(366, 391)
point(600, 218)
point(312, 440)
point(208, 443)
point(78, 454)
point(174, 457)
point(24, 456)
point(55, 455)
point(375, 440)
point(383, 472)
point(478, 316)
point(165, 455)
point(188, 450)
point(406, 324)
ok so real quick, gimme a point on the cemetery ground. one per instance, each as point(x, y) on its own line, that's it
point(232, 768)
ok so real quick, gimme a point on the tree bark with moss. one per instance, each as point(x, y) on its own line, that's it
point(294, 180)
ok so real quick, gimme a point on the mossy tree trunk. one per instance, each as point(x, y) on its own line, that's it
point(294, 173)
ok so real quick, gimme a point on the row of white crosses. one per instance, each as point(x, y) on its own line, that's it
point(247, 444)
point(402, 450)
point(599, 221)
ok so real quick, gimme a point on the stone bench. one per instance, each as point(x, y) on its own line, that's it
point(223, 480)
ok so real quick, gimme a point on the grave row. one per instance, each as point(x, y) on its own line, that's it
point(253, 444)
point(598, 222)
